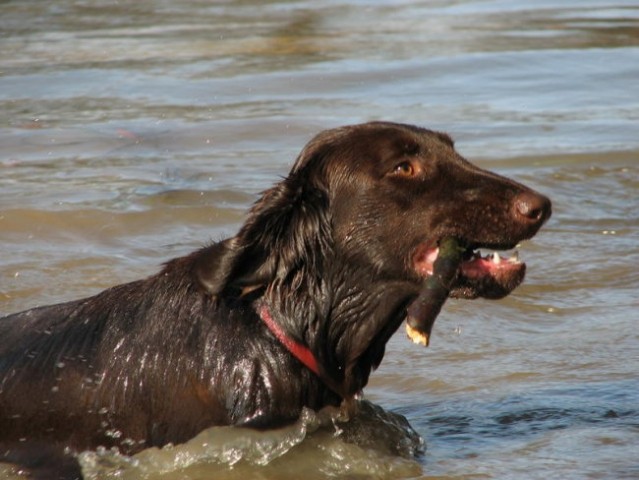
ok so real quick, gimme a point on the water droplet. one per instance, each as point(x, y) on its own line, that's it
point(113, 433)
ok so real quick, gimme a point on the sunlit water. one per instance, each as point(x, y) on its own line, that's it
point(135, 132)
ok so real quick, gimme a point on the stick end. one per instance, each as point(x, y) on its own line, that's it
point(416, 336)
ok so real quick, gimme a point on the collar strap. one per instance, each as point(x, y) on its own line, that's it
point(298, 350)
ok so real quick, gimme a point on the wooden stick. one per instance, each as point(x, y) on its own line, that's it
point(424, 310)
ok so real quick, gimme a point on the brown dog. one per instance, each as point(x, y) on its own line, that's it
point(293, 311)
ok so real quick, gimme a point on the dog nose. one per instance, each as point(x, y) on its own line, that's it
point(532, 208)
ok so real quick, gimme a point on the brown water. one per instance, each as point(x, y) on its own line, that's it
point(131, 133)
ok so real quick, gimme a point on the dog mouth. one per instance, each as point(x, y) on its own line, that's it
point(492, 275)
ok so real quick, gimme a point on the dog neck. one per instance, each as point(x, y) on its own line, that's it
point(300, 351)
point(297, 349)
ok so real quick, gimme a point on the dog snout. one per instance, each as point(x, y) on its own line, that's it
point(531, 208)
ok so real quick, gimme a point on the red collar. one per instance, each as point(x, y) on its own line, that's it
point(298, 350)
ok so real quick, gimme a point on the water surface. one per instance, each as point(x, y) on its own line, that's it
point(133, 133)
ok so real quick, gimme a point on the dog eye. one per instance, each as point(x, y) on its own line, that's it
point(404, 169)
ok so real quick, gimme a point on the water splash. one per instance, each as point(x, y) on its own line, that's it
point(329, 443)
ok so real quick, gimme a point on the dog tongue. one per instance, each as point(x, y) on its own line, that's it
point(421, 314)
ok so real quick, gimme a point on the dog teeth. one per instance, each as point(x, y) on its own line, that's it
point(497, 259)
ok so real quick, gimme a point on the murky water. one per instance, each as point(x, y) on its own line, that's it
point(131, 133)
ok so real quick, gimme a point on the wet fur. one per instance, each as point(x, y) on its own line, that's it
point(327, 249)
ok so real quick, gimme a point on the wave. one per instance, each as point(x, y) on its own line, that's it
point(370, 443)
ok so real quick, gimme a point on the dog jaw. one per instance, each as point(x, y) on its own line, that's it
point(491, 276)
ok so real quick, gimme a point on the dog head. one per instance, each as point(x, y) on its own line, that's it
point(345, 241)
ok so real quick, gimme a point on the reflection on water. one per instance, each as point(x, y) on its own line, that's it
point(135, 132)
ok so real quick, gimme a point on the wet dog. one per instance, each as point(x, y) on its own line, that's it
point(294, 311)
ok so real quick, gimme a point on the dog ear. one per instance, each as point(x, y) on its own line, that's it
point(287, 230)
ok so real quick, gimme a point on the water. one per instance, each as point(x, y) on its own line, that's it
point(133, 133)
